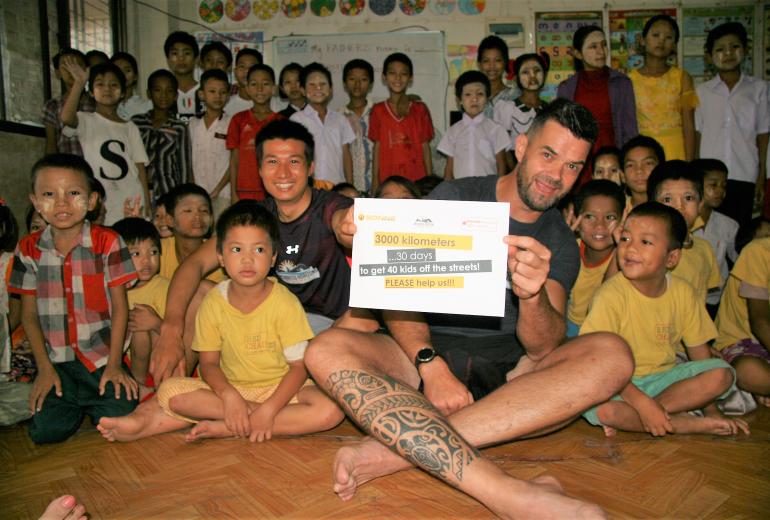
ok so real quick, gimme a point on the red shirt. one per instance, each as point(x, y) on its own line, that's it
point(593, 93)
point(401, 139)
point(242, 134)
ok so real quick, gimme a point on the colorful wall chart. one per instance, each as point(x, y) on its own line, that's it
point(553, 34)
point(698, 21)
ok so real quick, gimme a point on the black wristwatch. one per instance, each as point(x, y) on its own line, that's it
point(424, 355)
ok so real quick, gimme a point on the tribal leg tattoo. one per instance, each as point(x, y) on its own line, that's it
point(404, 421)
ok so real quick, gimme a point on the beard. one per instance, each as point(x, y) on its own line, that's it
point(532, 200)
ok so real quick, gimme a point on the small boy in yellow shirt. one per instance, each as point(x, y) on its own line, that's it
point(251, 333)
point(146, 299)
point(680, 185)
point(655, 312)
point(599, 208)
point(743, 320)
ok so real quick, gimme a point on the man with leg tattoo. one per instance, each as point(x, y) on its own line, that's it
point(375, 377)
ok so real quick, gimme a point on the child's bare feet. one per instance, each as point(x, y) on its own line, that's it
point(65, 507)
point(358, 464)
point(686, 423)
point(764, 400)
point(209, 430)
point(148, 419)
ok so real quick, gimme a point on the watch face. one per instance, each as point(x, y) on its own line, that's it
point(426, 354)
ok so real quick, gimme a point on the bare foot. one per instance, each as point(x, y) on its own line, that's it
point(609, 431)
point(65, 507)
point(764, 400)
point(365, 461)
point(147, 419)
point(685, 423)
point(209, 430)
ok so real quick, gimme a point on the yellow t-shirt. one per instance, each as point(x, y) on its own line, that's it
point(251, 345)
point(752, 267)
point(153, 294)
point(698, 266)
point(654, 327)
point(169, 261)
point(588, 281)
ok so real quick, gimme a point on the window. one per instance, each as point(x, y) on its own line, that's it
point(90, 26)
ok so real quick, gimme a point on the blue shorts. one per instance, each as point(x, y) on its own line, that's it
point(654, 384)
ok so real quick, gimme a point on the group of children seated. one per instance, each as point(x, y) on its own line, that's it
point(657, 261)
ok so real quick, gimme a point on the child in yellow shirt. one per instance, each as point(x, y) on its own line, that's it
point(251, 334)
point(743, 320)
point(599, 207)
point(680, 185)
point(654, 312)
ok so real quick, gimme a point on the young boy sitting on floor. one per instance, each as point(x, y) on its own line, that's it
point(146, 299)
point(655, 311)
point(71, 277)
point(251, 333)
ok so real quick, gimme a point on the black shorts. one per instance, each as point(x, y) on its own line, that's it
point(479, 362)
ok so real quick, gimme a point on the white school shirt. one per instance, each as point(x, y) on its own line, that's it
point(210, 156)
point(729, 122)
point(133, 106)
point(720, 232)
point(515, 117)
point(473, 143)
point(329, 136)
point(112, 150)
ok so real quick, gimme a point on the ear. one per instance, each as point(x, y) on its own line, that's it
point(520, 146)
point(311, 169)
point(272, 262)
point(92, 199)
point(33, 200)
point(673, 258)
point(220, 260)
point(200, 94)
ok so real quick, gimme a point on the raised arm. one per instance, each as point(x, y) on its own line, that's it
point(168, 355)
point(69, 112)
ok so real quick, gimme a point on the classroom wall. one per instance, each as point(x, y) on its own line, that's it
point(149, 27)
point(19, 153)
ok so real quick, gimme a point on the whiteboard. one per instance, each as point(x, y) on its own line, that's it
point(426, 50)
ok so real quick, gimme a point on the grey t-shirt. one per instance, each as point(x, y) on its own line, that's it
point(550, 230)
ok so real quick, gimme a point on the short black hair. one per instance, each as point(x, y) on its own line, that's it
point(340, 186)
point(472, 76)
point(608, 150)
point(573, 116)
point(177, 193)
point(747, 231)
point(358, 64)
point(247, 212)
point(677, 226)
point(100, 55)
point(134, 229)
point(579, 38)
point(285, 129)
point(397, 57)
point(544, 59)
point(9, 229)
point(427, 184)
point(661, 18)
point(709, 165)
point(493, 42)
point(399, 181)
point(218, 47)
point(216, 74)
point(674, 171)
point(261, 67)
point(67, 51)
point(734, 28)
point(183, 38)
point(126, 57)
point(162, 73)
point(310, 68)
point(247, 51)
point(603, 188)
point(66, 161)
point(643, 141)
point(106, 68)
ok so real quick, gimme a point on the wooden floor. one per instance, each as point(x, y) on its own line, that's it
point(632, 476)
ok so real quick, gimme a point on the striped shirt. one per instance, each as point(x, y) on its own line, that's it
point(168, 148)
point(72, 292)
point(52, 117)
